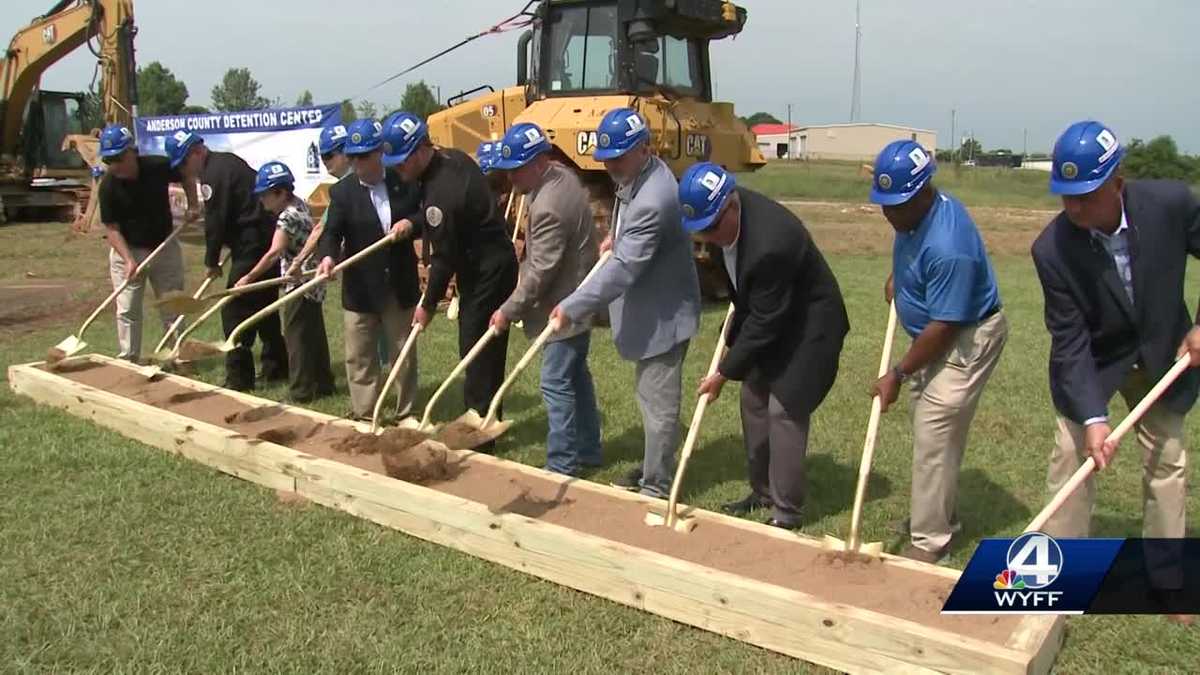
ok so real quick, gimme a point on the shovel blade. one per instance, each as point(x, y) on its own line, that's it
point(679, 523)
point(180, 303)
point(67, 348)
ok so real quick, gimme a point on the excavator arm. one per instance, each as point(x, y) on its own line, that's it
point(68, 25)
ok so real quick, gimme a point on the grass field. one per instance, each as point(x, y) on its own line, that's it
point(845, 182)
point(119, 557)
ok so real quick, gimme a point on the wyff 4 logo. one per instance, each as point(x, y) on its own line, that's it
point(1034, 562)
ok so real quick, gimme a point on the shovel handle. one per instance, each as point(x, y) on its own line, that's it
point(693, 432)
point(458, 370)
point(195, 296)
point(1089, 465)
point(494, 407)
point(129, 279)
point(254, 286)
point(517, 222)
point(300, 290)
point(196, 324)
point(411, 340)
point(868, 456)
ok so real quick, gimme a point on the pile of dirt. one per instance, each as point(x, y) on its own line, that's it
point(848, 559)
point(254, 414)
point(291, 434)
point(187, 396)
point(462, 436)
point(391, 440)
point(421, 463)
point(194, 350)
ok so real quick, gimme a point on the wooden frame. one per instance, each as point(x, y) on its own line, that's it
point(776, 618)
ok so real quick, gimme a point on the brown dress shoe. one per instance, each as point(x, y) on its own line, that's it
point(932, 557)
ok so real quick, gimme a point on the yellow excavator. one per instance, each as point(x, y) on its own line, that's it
point(46, 152)
point(581, 58)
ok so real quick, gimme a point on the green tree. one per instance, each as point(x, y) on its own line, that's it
point(1160, 158)
point(195, 110)
point(419, 100)
point(348, 113)
point(159, 91)
point(305, 99)
point(366, 109)
point(238, 91)
point(760, 118)
point(970, 149)
point(90, 114)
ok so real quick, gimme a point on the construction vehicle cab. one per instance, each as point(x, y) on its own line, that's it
point(582, 58)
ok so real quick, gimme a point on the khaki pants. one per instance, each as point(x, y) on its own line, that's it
point(165, 274)
point(364, 377)
point(945, 395)
point(1164, 469)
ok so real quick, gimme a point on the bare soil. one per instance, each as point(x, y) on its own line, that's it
point(836, 578)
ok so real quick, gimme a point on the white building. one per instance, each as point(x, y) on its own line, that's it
point(858, 141)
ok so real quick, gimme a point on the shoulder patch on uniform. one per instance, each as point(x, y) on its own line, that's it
point(433, 216)
point(206, 191)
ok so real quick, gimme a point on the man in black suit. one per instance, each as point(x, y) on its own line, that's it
point(785, 336)
point(380, 292)
point(1112, 270)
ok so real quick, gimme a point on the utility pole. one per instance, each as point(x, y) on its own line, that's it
point(856, 93)
point(789, 132)
point(953, 139)
point(1025, 143)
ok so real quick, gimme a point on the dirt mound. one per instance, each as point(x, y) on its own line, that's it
point(254, 414)
point(370, 444)
point(848, 559)
point(462, 436)
point(287, 435)
point(72, 366)
point(194, 350)
point(189, 396)
point(421, 463)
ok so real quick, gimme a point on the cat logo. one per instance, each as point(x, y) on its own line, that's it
point(49, 35)
point(697, 146)
point(488, 111)
point(585, 142)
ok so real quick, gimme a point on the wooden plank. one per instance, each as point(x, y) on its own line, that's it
point(832, 634)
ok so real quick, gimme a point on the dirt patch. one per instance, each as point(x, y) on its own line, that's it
point(189, 396)
point(462, 436)
point(195, 350)
point(33, 304)
point(290, 434)
point(254, 414)
point(873, 585)
point(391, 440)
point(290, 498)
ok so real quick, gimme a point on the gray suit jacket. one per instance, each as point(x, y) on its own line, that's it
point(649, 284)
point(560, 249)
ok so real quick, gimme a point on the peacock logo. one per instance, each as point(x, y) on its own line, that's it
point(1008, 580)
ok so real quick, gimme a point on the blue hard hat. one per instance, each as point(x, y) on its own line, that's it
point(703, 190)
point(178, 145)
point(485, 156)
point(366, 135)
point(402, 133)
point(620, 130)
point(333, 139)
point(273, 175)
point(901, 170)
point(114, 140)
point(522, 142)
point(1085, 156)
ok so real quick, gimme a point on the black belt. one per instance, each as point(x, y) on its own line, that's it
point(988, 314)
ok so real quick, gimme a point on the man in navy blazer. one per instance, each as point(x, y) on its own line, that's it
point(1112, 269)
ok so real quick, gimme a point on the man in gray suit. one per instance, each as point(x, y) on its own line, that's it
point(560, 249)
point(650, 288)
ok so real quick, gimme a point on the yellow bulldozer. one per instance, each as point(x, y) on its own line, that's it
point(582, 58)
point(46, 146)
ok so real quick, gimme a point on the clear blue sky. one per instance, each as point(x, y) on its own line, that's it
point(1005, 67)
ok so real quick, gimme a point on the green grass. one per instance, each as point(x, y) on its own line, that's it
point(842, 182)
point(118, 557)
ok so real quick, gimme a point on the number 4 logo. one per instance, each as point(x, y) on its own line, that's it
point(1038, 559)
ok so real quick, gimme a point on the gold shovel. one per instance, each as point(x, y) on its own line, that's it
point(472, 431)
point(179, 319)
point(673, 519)
point(854, 543)
point(181, 303)
point(397, 364)
point(175, 355)
point(426, 425)
point(198, 350)
point(74, 344)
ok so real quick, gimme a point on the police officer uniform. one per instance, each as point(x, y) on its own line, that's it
point(234, 218)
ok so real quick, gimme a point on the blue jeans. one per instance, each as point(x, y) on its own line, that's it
point(573, 441)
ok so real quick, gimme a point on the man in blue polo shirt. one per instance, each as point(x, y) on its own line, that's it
point(947, 300)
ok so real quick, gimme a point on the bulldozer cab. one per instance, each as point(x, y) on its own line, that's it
point(649, 47)
point(51, 117)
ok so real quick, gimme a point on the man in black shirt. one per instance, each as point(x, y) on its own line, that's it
point(234, 218)
point(136, 211)
point(459, 220)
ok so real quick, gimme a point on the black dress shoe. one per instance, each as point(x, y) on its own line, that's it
point(744, 506)
point(781, 524)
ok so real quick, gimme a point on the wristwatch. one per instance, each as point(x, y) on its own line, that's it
point(900, 376)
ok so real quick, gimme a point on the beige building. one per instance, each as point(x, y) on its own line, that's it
point(859, 141)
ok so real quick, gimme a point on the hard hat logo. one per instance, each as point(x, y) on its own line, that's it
point(357, 138)
point(688, 211)
point(339, 131)
point(1109, 142)
point(506, 152)
point(885, 181)
point(1070, 170)
point(409, 126)
point(604, 140)
point(919, 159)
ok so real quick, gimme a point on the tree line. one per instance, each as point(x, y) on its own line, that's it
point(160, 92)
